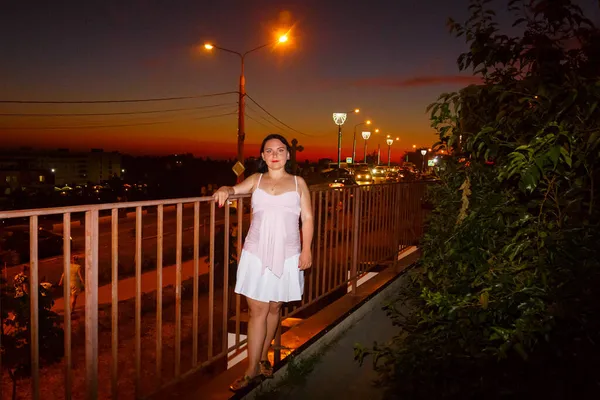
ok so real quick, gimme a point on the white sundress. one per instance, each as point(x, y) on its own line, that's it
point(268, 267)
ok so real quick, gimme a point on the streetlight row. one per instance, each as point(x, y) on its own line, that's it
point(339, 118)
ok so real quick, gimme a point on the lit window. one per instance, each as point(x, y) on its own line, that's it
point(42, 178)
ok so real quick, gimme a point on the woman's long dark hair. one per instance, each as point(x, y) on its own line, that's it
point(262, 165)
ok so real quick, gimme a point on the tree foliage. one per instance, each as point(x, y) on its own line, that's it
point(510, 264)
point(15, 331)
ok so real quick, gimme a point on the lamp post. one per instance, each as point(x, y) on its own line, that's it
point(339, 119)
point(389, 142)
point(368, 122)
point(241, 135)
point(423, 152)
point(366, 136)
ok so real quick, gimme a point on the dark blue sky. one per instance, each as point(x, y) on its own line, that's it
point(389, 58)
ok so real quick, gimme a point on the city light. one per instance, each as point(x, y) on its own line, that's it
point(52, 170)
point(368, 122)
point(208, 46)
point(283, 38)
point(356, 110)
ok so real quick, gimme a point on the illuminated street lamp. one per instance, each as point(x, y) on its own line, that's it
point(423, 152)
point(367, 122)
point(389, 142)
point(242, 91)
point(339, 119)
point(366, 136)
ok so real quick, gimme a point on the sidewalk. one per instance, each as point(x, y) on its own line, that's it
point(126, 287)
point(332, 373)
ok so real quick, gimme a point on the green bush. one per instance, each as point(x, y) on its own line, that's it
point(508, 277)
point(15, 332)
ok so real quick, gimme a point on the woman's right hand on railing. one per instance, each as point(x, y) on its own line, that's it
point(221, 195)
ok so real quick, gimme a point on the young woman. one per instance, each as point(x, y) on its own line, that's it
point(274, 257)
point(76, 280)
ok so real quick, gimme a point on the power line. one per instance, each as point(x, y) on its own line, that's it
point(265, 119)
point(113, 113)
point(113, 126)
point(257, 121)
point(114, 101)
point(275, 118)
point(217, 115)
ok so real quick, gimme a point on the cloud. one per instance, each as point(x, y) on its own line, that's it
point(416, 81)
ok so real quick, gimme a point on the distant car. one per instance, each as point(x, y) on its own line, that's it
point(363, 176)
point(335, 173)
point(392, 176)
point(405, 174)
point(378, 173)
point(341, 182)
point(14, 240)
point(410, 166)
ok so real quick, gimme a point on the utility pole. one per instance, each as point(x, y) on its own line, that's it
point(241, 136)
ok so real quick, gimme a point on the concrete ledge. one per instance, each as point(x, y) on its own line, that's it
point(309, 335)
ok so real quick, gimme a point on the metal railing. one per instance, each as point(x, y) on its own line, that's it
point(176, 311)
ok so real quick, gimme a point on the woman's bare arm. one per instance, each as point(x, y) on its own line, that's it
point(306, 215)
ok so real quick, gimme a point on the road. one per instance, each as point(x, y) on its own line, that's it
point(50, 269)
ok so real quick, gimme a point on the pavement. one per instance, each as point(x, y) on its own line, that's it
point(127, 286)
point(336, 374)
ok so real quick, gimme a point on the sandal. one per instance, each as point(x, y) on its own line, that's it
point(240, 383)
point(266, 369)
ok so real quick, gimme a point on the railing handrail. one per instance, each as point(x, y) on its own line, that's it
point(106, 206)
point(131, 204)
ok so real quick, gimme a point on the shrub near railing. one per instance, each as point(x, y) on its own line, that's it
point(507, 300)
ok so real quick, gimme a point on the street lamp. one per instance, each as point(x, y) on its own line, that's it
point(389, 142)
point(367, 122)
point(423, 152)
point(366, 136)
point(339, 119)
point(242, 91)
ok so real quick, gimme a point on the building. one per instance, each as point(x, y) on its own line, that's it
point(66, 167)
point(102, 166)
point(13, 179)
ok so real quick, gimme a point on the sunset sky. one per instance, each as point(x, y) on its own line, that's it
point(390, 58)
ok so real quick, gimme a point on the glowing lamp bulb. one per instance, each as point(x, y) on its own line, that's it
point(283, 38)
point(208, 46)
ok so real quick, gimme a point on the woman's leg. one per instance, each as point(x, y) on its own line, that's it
point(73, 302)
point(257, 330)
point(272, 325)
